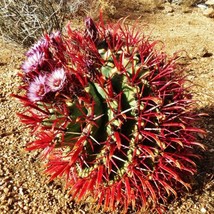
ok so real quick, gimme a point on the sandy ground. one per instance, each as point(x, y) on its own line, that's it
point(23, 186)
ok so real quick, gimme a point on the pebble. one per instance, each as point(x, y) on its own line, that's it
point(205, 53)
point(177, 1)
point(203, 210)
point(6, 190)
point(210, 2)
point(10, 201)
point(3, 197)
point(202, 6)
point(2, 117)
point(21, 191)
point(25, 208)
point(20, 203)
point(168, 9)
point(209, 12)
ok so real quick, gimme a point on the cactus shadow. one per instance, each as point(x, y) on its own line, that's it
point(203, 182)
point(205, 176)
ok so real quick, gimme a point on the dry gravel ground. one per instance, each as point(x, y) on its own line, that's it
point(23, 187)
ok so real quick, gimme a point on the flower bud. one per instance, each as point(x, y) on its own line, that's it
point(91, 30)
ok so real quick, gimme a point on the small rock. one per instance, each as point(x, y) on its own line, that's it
point(168, 9)
point(203, 210)
point(6, 190)
point(3, 197)
point(21, 191)
point(25, 208)
point(209, 12)
point(202, 6)
point(177, 1)
point(210, 2)
point(205, 53)
point(186, 9)
point(10, 201)
point(2, 117)
point(20, 203)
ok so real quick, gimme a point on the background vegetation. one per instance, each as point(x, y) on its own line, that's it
point(23, 21)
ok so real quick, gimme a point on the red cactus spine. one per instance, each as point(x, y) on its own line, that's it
point(111, 114)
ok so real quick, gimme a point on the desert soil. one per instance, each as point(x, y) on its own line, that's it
point(23, 186)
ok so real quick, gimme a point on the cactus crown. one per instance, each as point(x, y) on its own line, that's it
point(111, 114)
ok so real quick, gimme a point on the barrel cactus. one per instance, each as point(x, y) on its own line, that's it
point(111, 115)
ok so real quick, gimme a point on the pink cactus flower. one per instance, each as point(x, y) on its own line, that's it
point(37, 89)
point(56, 79)
point(40, 46)
point(33, 62)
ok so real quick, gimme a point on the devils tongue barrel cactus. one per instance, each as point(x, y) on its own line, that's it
point(111, 114)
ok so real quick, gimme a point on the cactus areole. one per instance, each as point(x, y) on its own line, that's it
point(110, 114)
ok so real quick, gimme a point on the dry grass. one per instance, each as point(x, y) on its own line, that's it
point(25, 21)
